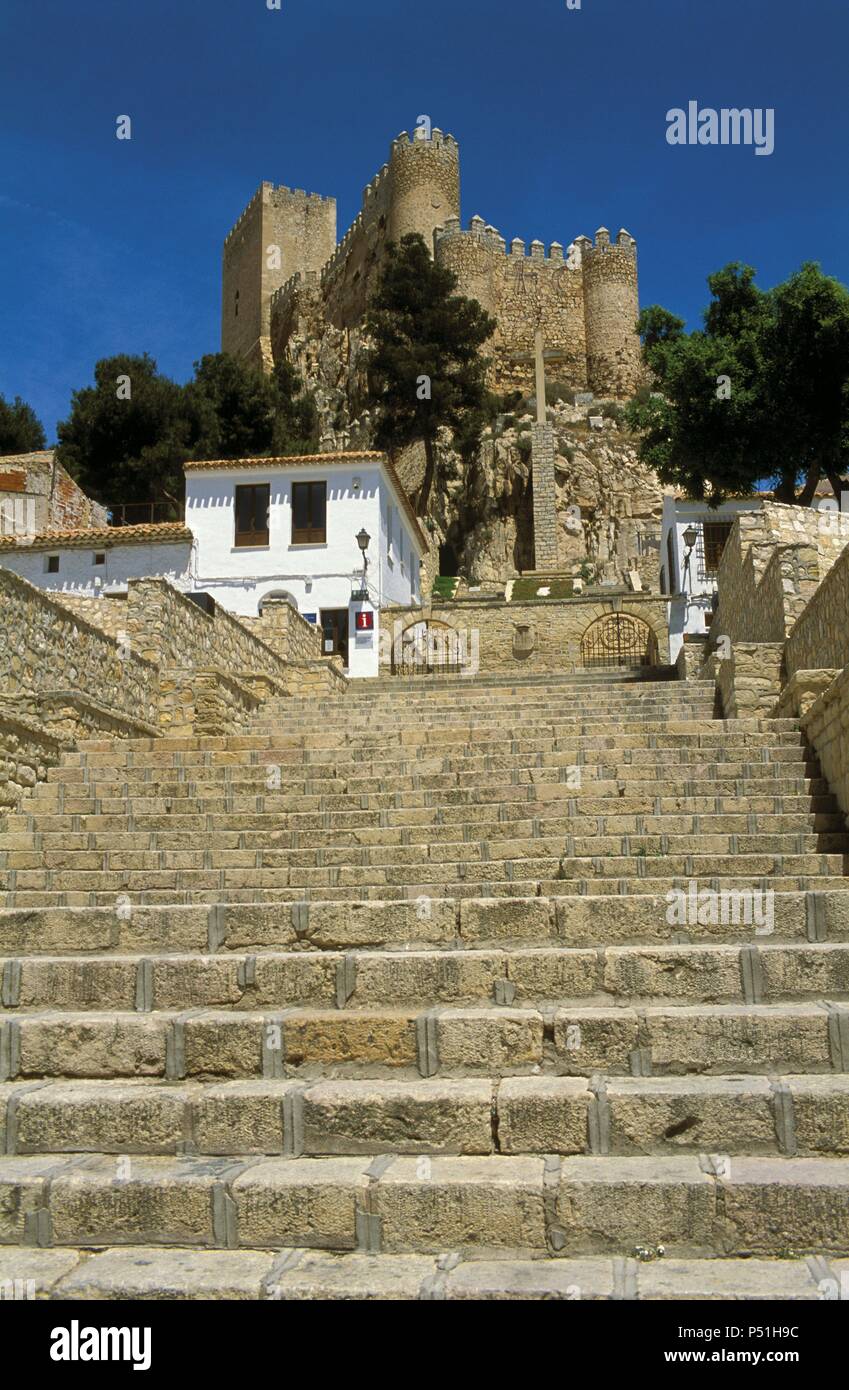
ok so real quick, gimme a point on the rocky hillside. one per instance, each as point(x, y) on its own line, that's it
point(481, 511)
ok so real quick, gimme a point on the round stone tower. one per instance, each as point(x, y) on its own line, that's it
point(425, 184)
point(611, 307)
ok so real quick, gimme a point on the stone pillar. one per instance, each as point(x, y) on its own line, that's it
point(545, 510)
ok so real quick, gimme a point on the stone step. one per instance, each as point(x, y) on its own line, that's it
point(298, 1275)
point(821, 916)
point(434, 874)
point(370, 831)
point(756, 971)
point(616, 1116)
point(658, 814)
point(570, 1039)
point(515, 839)
point(760, 1206)
point(574, 851)
point(297, 898)
point(246, 763)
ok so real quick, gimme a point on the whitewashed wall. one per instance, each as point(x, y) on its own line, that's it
point(78, 573)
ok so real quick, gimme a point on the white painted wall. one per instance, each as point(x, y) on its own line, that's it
point(318, 576)
point(693, 593)
point(78, 573)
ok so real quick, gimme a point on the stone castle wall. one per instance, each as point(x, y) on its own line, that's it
point(588, 298)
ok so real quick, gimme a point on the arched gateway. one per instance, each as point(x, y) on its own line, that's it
point(619, 639)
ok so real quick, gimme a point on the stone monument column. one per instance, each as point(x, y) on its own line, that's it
point(542, 465)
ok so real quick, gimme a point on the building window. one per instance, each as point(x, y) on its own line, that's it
point(236, 304)
point(252, 504)
point(670, 559)
point(309, 513)
point(716, 534)
point(99, 558)
point(52, 566)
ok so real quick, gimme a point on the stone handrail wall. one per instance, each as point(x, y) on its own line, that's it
point(166, 627)
point(820, 636)
point(44, 647)
point(771, 566)
point(27, 751)
point(826, 724)
point(282, 628)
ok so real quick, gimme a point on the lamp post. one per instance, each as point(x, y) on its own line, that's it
point(691, 535)
point(364, 541)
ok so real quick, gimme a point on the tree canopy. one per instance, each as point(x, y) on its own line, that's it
point(760, 393)
point(21, 431)
point(426, 370)
point(128, 436)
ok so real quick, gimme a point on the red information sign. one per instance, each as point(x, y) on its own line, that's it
point(365, 621)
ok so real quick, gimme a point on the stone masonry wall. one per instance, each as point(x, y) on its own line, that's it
point(27, 751)
point(281, 627)
point(820, 636)
point(170, 629)
point(772, 563)
point(826, 724)
point(44, 647)
point(543, 635)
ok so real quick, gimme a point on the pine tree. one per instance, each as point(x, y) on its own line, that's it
point(426, 370)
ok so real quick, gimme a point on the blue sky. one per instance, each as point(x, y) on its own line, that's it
point(109, 246)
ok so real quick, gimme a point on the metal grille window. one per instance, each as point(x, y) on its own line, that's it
point(309, 513)
point(252, 503)
point(713, 536)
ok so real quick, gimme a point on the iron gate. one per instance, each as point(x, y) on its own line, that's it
point(618, 640)
point(428, 649)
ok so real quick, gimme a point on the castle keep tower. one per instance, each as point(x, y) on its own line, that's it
point(281, 233)
point(611, 307)
point(424, 184)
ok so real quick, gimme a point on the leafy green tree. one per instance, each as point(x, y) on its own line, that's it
point(128, 437)
point(760, 392)
point(426, 370)
point(21, 431)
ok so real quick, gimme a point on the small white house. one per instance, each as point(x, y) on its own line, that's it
point(100, 560)
point(335, 533)
point(692, 541)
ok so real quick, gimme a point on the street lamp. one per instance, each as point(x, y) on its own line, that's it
point(363, 540)
point(691, 535)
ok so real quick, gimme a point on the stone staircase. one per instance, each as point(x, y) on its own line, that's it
point(390, 997)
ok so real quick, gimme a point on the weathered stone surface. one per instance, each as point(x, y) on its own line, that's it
point(543, 1114)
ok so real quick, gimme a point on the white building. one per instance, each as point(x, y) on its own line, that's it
point(296, 526)
point(335, 533)
point(692, 541)
point(100, 560)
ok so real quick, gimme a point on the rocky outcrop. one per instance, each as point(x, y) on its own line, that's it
point(481, 510)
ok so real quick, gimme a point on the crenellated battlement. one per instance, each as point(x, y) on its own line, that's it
point(419, 140)
point(484, 234)
point(279, 194)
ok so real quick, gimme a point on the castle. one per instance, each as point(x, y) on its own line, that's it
point(283, 269)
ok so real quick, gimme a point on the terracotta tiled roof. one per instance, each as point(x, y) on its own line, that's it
point(290, 460)
point(106, 536)
point(319, 461)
